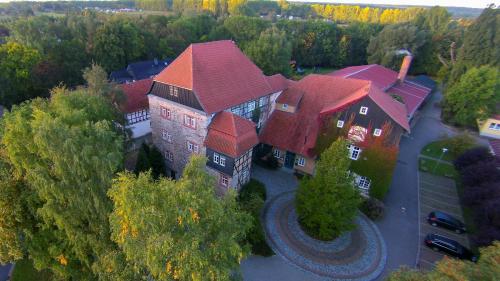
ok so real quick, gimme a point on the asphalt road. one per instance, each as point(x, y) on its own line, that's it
point(4, 272)
point(400, 225)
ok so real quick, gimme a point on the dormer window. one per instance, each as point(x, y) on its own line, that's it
point(363, 110)
point(377, 132)
point(340, 124)
point(174, 91)
point(284, 106)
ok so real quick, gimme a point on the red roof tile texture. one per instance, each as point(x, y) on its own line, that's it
point(381, 77)
point(136, 95)
point(231, 134)
point(278, 82)
point(218, 73)
point(413, 94)
point(297, 132)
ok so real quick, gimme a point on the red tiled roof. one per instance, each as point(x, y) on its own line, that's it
point(231, 134)
point(136, 94)
point(381, 77)
point(278, 82)
point(495, 146)
point(297, 132)
point(218, 73)
point(292, 97)
point(413, 94)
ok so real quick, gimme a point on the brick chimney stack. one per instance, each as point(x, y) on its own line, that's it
point(405, 66)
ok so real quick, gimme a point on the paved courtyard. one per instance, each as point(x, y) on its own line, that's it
point(356, 255)
point(437, 193)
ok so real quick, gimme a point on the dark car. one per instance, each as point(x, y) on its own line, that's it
point(449, 246)
point(437, 218)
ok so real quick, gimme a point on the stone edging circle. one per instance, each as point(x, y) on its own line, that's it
point(357, 255)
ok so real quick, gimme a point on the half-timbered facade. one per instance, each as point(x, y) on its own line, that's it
point(210, 101)
point(136, 107)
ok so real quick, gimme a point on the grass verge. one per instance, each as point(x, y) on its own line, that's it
point(435, 149)
point(437, 168)
point(24, 271)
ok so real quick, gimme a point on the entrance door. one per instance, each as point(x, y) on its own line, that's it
point(289, 159)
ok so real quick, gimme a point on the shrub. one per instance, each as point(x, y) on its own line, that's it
point(459, 144)
point(479, 173)
point(150, 158)
point(372, 208)
point(475, 195)
point(473, 156)
point(251, 198)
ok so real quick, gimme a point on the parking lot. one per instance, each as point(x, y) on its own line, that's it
point(437, 193)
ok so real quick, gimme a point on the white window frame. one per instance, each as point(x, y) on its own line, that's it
point(165, 112)
point(284, 106)
point(300, 161)
point(189, 121)
point(340, 124)
point(222, 161)
point(216, 158)
point(193, 147)
point(377, 132)
point(354, 152)
point(166, 136)
point(251, 105)
point(224, 180)
point(277, 153)
point(363, 110)
point(169, 156)
point(494, 126)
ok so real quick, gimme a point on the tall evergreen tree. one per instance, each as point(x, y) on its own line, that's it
point(328, 202)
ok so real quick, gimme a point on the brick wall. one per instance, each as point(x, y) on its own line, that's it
point(180, 132)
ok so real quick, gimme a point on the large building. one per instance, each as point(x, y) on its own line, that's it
point(212, 100)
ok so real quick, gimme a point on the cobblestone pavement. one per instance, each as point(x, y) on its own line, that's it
point(357, 255)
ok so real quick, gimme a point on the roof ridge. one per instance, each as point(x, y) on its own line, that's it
point(361, 70)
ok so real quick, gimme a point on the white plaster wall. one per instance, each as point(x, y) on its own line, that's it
point(140, 129)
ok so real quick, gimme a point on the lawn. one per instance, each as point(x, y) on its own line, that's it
point(311, 70)
point(24, 271)
point(435, 149)
point(439, 169)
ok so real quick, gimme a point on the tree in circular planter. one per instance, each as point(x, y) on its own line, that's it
point(328, 202)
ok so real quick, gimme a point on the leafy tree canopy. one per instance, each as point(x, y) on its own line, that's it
point(271, 52)
point(474, 96)
point(16, 67)
point(50, 150)
point(384, 48)
point(178, 230)
point(328, 202)
point(456, 270)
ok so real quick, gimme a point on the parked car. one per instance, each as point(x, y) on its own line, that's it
point(449, 246)
point(437, 218)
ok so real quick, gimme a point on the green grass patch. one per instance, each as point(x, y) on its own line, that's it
point(438, 169)
point(24, 271)
point(311, 70)
point(435, 150)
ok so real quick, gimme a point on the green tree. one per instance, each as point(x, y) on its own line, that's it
point(456, 270)
point(16, 67)
point(328, 202)
point(480, 46)
point(245, 29)
point(383, 49)
point(473, 97)
point(118, 43)
point(65, 171)
point(271, 52)
point(178, 230)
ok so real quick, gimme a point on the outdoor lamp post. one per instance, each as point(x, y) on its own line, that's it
point(443, 151)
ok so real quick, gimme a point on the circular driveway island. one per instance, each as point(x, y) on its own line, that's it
point(357, 255)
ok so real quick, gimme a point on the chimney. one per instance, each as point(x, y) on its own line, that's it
point(405, 66)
